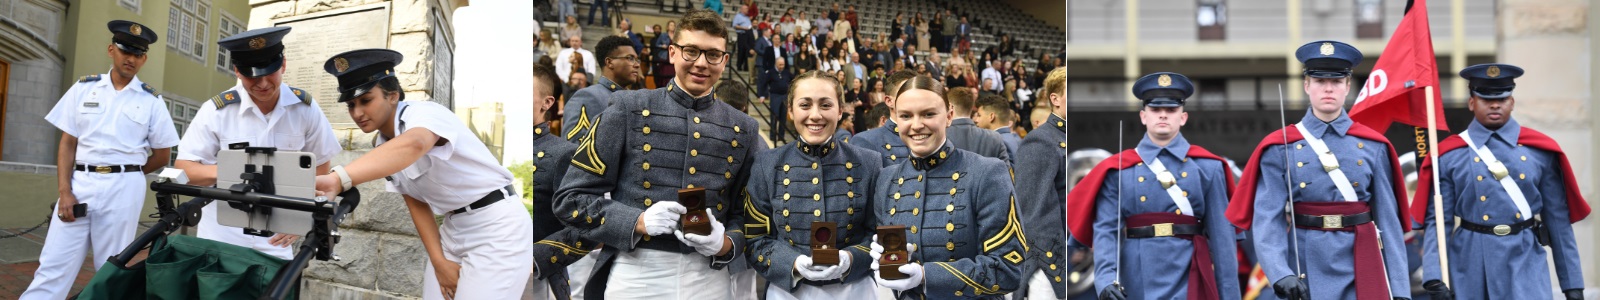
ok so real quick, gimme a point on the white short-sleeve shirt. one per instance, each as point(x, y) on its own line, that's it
point(114, 127)
point(294, 125)
point(452, 175)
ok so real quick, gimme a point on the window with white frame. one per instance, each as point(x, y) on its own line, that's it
point(186, 27)
point(226, 27)
point(182, 113)
point(132, 5)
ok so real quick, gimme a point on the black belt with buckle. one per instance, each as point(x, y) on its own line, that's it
point(1162, 230)
point(1331, 221)
point(1500, 230)
point(491, 198)
point(109, 169)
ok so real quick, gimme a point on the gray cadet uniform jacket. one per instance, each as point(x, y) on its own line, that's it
point(1041, 195)
point(961, 213)
point(647, 145)
point(966, 135)
point(797, 184)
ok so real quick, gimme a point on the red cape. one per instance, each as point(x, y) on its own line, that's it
point(1577, 208)
point(1080, 202)
point(1242, 208)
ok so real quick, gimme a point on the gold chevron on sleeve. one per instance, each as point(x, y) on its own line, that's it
point(976, 286)
point(757, 219)
point(1012, 227)
point(583, 122)
point(587, 159)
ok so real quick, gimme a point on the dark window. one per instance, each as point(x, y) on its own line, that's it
point(1211, 18)
point(1369, 19)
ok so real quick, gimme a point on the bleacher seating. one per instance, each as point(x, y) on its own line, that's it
point(1032, 36)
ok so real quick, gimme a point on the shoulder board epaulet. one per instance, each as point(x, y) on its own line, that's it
point(89, 78)
point(305, 97)
point(148, 88)
point(224, 99)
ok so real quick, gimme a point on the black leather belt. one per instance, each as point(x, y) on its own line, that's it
point(1500, 230)
point(1332, 221)
point(1162, 230)
point(666, 243)
point(109, 169)
point(491, 198)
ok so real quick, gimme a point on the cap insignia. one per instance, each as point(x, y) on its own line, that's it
point(257, 43)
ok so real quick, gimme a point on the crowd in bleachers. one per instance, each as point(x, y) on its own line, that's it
point(967, 44)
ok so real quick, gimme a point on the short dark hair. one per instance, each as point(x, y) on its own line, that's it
point(877, 112)
point(961, 99)
point(703, 20)
point(997, 105)
point(735, 94)
point(608, 45)
point(545, 76)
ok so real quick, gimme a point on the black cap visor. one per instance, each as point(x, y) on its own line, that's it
point(1494, 93)
point(1163, 102)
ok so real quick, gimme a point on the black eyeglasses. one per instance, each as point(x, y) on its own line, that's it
point(692, 54)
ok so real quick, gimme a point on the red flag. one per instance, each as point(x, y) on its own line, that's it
point(1394, 90)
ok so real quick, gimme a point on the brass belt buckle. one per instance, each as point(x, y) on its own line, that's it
point(1502, 230)
point(1163, 229)
point(1332, 221)
point(103, 169)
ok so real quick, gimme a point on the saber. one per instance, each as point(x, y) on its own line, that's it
point(1294, 237)
point(1116, 282)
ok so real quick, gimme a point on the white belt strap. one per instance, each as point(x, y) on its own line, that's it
point(1329, 163)
point(1500, 172)
point(1165, 178)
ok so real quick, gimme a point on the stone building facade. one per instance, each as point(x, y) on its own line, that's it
point(382, 258)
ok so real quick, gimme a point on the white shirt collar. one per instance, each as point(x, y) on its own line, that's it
point(135, 83)
point(285, 98)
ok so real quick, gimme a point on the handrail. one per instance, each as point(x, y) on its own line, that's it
point(735, 75)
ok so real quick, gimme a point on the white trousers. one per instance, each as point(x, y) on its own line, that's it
point(578, 273)
point(1040, 287)
point(744, 285)
point(860, 289)
point(662, 275)
point(494, 246)
point(208, 228)
point(113, 202)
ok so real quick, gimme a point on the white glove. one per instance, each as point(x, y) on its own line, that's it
point(803, 265)
point(912, 269)
point(662, 218)
point(707, 245)
point(900, 285)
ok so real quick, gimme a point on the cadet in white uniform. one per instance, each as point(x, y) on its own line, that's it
point(484, 249)
point(260, 111)
point(114, 129)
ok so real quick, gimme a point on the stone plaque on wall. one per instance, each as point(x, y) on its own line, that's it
point(316, 38)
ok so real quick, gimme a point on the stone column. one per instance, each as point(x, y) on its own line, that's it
point(381, 255)
point(1551, 39)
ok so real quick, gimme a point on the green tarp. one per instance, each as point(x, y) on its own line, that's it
point(184, 267)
